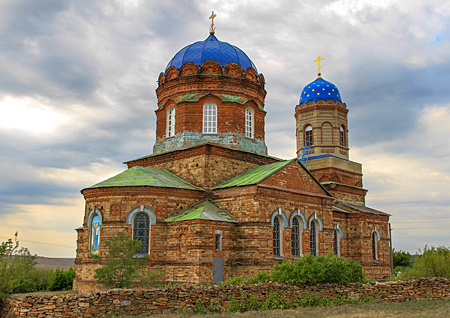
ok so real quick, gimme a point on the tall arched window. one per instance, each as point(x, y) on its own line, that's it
point(336, 243)
point(249, 122)
point(210, 118)
point(296, 237)
point(313, 238)
point(95, 223)
point(308, 135)
point(342, 135)
point(141, 232)
point(171, 122)
point(277, 237)
point(374, 246)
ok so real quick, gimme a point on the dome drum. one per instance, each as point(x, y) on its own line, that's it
point(211, 68)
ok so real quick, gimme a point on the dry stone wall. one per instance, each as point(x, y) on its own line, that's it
point(178, 299)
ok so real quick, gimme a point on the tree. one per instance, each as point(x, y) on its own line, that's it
point(434, 262)
point(401, 258)
point(121, 269)
point(15, 264)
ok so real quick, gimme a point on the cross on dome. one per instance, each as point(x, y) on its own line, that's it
point(211, 29)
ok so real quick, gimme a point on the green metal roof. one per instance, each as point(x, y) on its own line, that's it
point(145, 176)
point(254, 175)
point(204, 210)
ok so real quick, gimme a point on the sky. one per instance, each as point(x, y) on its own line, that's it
point(77, 98)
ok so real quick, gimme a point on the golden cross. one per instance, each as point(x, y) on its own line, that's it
point(319, 58)
point(211, 30)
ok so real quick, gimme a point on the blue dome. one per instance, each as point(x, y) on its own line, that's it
point(320, 89)
point(211, 49)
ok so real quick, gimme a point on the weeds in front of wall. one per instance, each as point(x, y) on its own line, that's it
point(276, 301)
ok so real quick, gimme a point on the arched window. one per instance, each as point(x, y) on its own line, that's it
point(249, 122)
point(308, 135)
point(313, 238)
point(210, 118)
point(171, 122)
point(141, 219)
point(342, 135)
point(141, 232)
point(296, 237)
point(277, 237)
point(95, 224)
point(336, 243)
point(338, 234)
point(374, 247)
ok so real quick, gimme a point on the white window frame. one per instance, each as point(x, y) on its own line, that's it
point(297, 240)
point(170, 122)
point(314, 234)
point(278, 221)
point(249, 123)
point(342, 136)
point(210, 118)
point(307, 142)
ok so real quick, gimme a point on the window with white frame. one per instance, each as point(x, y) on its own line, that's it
point(171, 122)
point(249, 122)
point(296, 237)
point(374, 246)
point(336, 243)
point(342, 135)
point(313, 238)
point(308, 135)
point(277, 237)
point(210, 118)
point(141, 232)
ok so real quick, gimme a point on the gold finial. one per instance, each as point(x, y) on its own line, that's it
point(319, 58)
point(211, 29)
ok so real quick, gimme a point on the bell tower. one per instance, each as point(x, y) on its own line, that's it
point(323, 143)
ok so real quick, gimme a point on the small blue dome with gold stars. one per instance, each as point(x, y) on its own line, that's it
point(320, 89)
point(211, 49)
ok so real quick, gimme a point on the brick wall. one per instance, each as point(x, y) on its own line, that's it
point(179, 299)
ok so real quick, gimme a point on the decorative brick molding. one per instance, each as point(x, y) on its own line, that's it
point(178, 299)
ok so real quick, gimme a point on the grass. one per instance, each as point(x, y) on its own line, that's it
point(411, 309)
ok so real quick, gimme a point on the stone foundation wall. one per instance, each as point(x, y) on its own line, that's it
point(178, 299)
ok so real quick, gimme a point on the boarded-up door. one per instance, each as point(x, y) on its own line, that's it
point(218, 269)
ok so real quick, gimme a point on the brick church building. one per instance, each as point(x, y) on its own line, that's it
point(210, 203)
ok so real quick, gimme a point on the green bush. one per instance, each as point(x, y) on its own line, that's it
point(15, 264)
point(434, 262)
point(43, 278)
point(312, 270)
point(401, 258)
point(121, 269)
point(63, 280)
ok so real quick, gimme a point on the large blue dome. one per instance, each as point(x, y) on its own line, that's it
point(211, 49)
point(320, 89)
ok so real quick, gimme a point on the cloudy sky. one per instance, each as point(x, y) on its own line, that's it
point(77, 98)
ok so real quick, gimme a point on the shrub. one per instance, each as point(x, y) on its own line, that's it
point(63, 280)
point(15, 264)
point(120, 268)
point(434, 262)
point(401, 258)
point(312, 270)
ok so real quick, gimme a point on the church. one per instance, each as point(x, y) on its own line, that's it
point(210, 203)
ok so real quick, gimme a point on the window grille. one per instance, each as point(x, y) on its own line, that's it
point(295, 238)
point(313, 239)
point(249, 123)
point(276, 237)
point(141, 232)
point(171, 122)
point(210, 118)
